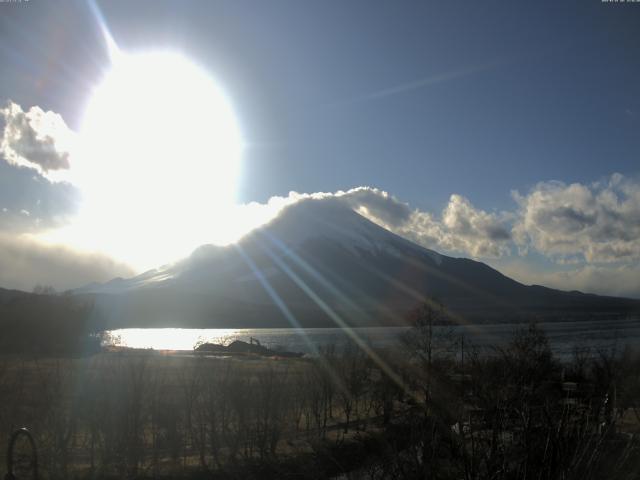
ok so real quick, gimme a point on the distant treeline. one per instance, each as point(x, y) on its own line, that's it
point(46, 323)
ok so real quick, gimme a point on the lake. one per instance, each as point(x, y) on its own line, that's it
point(563, 336)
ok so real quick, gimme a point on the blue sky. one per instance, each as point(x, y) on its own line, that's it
point(420, 99)
point(543, 91)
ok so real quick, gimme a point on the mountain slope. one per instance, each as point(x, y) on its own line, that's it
point(319, 263)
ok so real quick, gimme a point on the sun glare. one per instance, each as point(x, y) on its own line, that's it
point(161, 153)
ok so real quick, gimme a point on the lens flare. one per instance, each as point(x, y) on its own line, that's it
point(161, 152)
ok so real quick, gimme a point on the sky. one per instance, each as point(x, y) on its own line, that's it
point(504, 132)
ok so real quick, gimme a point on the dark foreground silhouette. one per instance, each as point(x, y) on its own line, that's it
point(420, 411)
point(240, 348)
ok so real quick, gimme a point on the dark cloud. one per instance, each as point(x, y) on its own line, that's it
point(25, 262)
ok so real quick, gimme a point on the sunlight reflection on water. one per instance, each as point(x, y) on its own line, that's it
point(563, 336)
point(169, 338)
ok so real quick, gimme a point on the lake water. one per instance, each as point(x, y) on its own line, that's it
point(563, 336)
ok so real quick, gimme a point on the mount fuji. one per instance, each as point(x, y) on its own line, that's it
point(321, 264)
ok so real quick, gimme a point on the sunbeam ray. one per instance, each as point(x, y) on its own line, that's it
point(324, 282)
point(275, 297)
point(337, 319)
point(289, 316)
point(111, 45)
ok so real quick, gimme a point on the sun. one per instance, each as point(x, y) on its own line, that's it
point(161, 151)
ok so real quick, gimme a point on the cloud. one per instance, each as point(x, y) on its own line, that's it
point(557, 220)
point(25, 262)
point(460, 228)
point(33, 152)
point(378, 205)
point(34, 139)
point(34, 156)
point(30, 202)
point(597, 223)
point(619, 281)
point(591, 231)
point(475, 231)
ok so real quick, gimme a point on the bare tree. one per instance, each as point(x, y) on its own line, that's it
point(424, 341)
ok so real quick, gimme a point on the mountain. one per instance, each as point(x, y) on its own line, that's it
point(7, 296)
point(319, 263)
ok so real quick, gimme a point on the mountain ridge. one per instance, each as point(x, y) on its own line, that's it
point(321, 264)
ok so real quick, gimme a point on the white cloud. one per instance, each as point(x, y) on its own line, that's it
point(377, 205)
point(475, 231)
point(461, 227)
point(557, 220)
point(592, 231)
point(34, 157)
point(598, 223)
point(34, 138)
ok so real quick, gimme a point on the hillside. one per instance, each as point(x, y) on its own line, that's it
point(319, 263)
